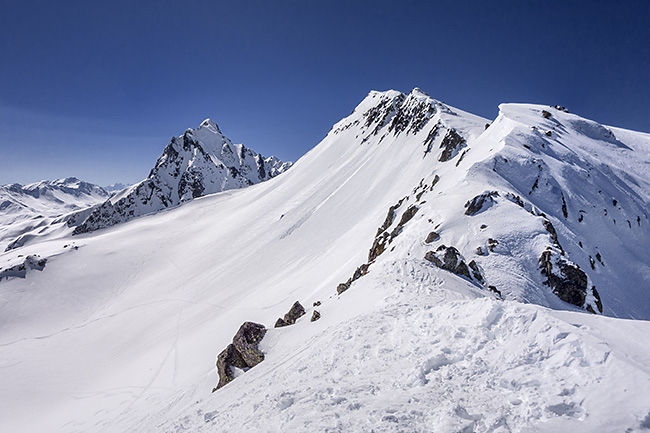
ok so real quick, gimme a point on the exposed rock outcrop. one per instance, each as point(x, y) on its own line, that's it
point(568, 281)
point(450, 259)
point(32, 261)
point(432, 237)
point(241, 353)
point(383, 237)
point(481, 201)
point(227, 359)
point(358, 273)
point(296, 311)
point(246, 340)
point(451, 144)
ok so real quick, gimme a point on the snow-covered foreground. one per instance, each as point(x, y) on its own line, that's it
point(428, 353)
point(120, 330)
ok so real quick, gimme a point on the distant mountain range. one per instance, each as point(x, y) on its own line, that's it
point(114, 187)
point(31, 208)
point(201, 161)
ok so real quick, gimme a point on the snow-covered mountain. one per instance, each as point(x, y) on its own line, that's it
point(459, 268)
point(33, 206)
point(201, 161)
point(115, 187)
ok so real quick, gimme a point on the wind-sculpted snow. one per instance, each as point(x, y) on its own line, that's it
point(458, 278)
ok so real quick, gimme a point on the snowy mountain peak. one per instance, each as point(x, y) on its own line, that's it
point(419, 92)
point(392, 113)
point(199, 162)
point(209, 124)
point(564, 171)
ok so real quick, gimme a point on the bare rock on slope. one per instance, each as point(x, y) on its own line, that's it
point(241, 353)
point(296, 311)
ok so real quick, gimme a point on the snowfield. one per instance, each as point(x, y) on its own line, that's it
point(121, 328)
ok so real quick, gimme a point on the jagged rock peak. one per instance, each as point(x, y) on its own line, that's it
point(419, 92)
point(396, 111)
point(199, 162)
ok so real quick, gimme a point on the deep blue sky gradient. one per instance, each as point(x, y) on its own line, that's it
point(95, 89)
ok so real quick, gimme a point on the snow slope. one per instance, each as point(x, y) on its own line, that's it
point(120, 329)
point(24, 208)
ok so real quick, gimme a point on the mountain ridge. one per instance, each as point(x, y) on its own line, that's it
point(25, 208)
point(449, 316)
point(201, 161)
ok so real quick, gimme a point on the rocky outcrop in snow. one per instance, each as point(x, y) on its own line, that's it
point(295, 312)
point(478, 203)
point(568, 281)
point(242, 353)
point(32, 261)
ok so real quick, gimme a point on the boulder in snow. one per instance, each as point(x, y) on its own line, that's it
point(296, 311)
point(450, 259)
point(241, 353)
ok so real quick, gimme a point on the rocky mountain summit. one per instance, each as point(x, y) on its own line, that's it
point(545, 190)
point(199, 162)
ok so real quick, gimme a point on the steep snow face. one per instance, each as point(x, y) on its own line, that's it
point(24, 208)
point(435, 248)
point(201, 161)
point(589, 185)
point(549, 207)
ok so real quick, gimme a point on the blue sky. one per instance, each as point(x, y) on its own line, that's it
point(95, 89)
